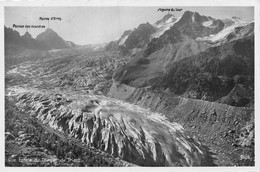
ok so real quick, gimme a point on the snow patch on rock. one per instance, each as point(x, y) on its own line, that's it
point(193, 18)
point(122, 41)
point(162, 27)
point(207, 23)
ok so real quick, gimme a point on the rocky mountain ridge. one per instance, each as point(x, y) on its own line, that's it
point(172, 59)
point(16, 44)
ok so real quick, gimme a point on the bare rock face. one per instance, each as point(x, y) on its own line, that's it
point(127, 131)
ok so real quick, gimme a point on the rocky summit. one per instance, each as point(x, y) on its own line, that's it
point(52, 39)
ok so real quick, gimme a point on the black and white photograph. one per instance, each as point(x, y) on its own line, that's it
point(129, 86)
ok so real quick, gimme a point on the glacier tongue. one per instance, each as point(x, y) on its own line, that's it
point(124, 130)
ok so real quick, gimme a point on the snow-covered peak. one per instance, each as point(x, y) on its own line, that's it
point(163, 26)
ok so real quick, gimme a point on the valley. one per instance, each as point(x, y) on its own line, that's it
point(179, 92)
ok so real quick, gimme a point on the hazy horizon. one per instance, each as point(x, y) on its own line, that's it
point(91, 25)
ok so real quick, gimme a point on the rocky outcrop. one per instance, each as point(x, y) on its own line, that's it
point(127, 131)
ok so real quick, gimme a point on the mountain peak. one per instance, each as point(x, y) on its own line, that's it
point(188, 13)
point(164, 19)
point(51, 38)
point(27, 35)
point(187, 16)
point(145, 26)
point(193, 17)
point(49, 30)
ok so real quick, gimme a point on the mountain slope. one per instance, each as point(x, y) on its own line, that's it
point(208, 75)
point(183, 63)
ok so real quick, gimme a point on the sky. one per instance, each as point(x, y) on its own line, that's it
point(91, 25)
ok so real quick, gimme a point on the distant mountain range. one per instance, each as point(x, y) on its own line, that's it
point(198, 32)
point(47, 40)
